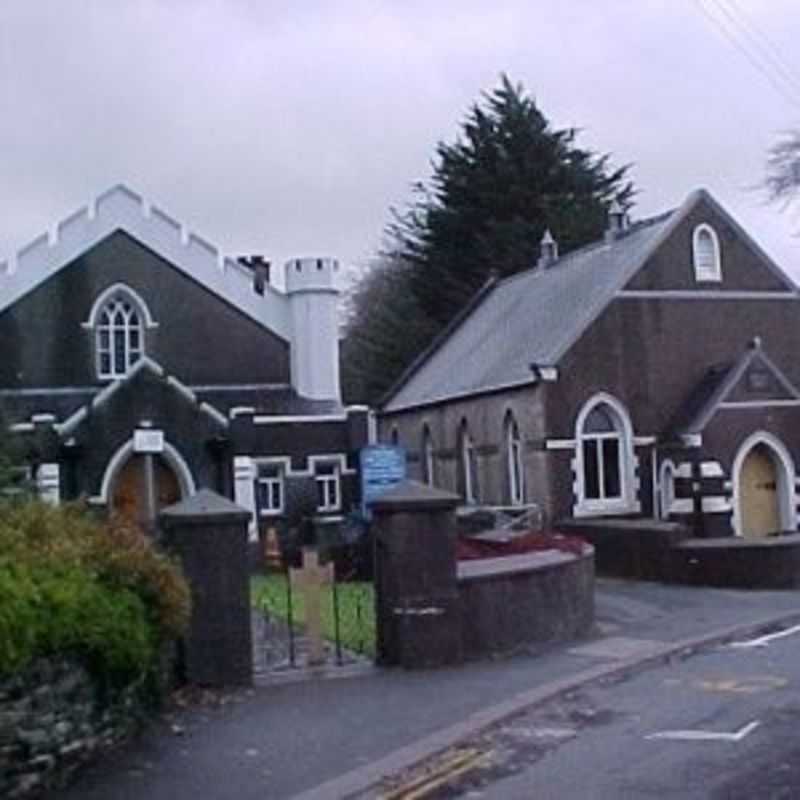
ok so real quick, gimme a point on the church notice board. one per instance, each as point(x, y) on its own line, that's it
point(382, 467)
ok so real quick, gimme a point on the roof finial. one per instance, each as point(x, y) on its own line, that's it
point(548, 250)
point(617, 220)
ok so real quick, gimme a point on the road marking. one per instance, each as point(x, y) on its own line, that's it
point(763, 641)
point(706, 736)
point(751, 685)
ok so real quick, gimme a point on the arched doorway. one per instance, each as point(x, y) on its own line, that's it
point(129, 492)
point(764, 488)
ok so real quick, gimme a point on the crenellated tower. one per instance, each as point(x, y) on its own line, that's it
point(313, 292)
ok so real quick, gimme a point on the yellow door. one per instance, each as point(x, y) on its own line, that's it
point(758, 493)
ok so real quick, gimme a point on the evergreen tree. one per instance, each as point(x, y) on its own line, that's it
point(492, 195)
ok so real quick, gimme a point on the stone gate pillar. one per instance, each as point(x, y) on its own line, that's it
point(416, 589)
point(209, 534)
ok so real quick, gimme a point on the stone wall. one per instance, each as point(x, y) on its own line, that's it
point(514, 601)
point(53, 718)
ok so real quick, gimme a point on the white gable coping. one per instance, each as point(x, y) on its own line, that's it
point(122, 209)
point(72, 422)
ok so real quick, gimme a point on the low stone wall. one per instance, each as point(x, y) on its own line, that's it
point(510, 602)
point(732, 561)
point(53, 719)
point(630, 548)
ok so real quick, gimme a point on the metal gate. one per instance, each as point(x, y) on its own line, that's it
point(314, 606)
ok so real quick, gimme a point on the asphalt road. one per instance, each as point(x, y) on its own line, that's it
point(721, 724)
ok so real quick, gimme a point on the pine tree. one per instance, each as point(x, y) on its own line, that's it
point(493, 193)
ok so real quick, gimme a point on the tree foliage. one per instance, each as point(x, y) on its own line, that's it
point(507, 178)
point(783, 168)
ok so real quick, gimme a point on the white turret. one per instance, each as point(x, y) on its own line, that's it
point(313, 292)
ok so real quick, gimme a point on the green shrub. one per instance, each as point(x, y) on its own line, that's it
point(70, 584)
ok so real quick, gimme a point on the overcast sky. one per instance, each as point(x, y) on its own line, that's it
point(291, 128)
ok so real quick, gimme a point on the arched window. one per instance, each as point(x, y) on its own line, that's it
point(119, 319)
point(428, 466)
point(706, 254)
point(604, 459)
point(666, 488)
point(469, 471)
point(516, 488)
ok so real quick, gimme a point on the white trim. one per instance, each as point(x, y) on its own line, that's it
point(739, 404)
point(666, 480)
point(109, 391)
point(700, 294)
point(716, 505)
point(48, 483)
point(691, 439)
point(711, 469)
point(311, 462)
point(268, 420)
point(785, 479)
point(22, 427)
point(628, 502)
point(683, 470)
point(267, 482)
point(244, 491)
point(170, 454)
point(560, 444)
point(682, 505)
point(706, 273)
point(121, 209)
point(643, 441)
point(106, 295)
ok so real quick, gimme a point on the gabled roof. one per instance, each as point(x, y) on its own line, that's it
point(68, 426)
point(534, 317)
point(720, 384)
point(122, 209)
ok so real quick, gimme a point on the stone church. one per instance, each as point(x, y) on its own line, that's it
point(139, 364)
point(652, 374)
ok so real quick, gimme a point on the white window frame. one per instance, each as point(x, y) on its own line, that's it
point(136, 320)
point(704, 272)
point(428, 460)
point(516, 476)
point(666, 488)
point(626, 502)
point(269, 483)
point(329, 486)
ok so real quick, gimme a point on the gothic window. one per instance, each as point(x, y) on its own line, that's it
point(428, 471)
point(604, 459)
point(516, 491)
point(118, 319)
point(469, 465)
point(706, 253)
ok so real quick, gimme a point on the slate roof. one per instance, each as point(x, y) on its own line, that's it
point(529, 318)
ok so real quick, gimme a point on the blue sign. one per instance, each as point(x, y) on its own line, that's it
point(382, 466)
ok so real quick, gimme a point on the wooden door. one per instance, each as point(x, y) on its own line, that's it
point(129, 497)
point(758, 493)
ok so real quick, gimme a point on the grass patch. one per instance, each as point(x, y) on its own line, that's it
point(356, 601)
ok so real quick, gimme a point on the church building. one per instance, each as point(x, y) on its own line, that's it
point(652, 374)
point(139, 365)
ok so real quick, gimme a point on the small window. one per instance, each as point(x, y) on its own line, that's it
point(469, 466)
point(428, 464)
point(667, 488)
point(328, 487)
point(271, 491)
point(707, 263)
point(516, 490)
